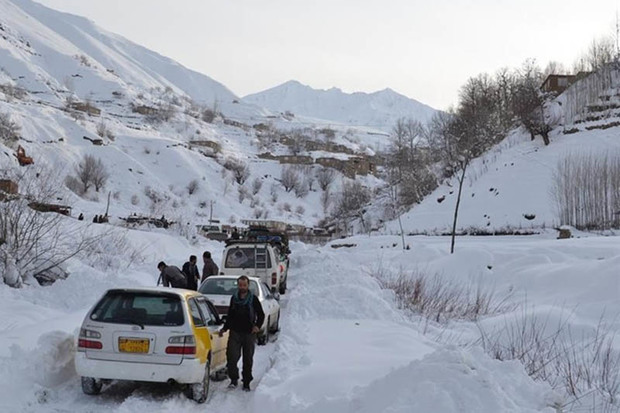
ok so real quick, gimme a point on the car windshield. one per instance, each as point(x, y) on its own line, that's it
point(140, 308)
point(247, 257)
point(224, 286)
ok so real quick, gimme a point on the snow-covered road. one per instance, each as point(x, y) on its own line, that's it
point(343, 346)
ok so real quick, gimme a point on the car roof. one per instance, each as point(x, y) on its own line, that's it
point(233, 277)
point(175, 291)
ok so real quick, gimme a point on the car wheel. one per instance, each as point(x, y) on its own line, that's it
point(276, 326)
point(200, 391)
point(264, 339)
point(91, 386)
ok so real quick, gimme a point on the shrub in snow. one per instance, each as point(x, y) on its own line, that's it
point(300, 210)
point(135, 200)
point(286, 207)
point(239, 169)
point(438, 299)
point(208, 115)
point(192, 186)
point(13, 92)
point(587, 369)
point(243, 193)
point(257, 184)
point(9, 130)
point(273, 191)
point(302, 189)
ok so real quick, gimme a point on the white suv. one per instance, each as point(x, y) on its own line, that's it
point(151, 334)
point(257, 259)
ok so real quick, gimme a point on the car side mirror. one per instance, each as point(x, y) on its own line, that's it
point(276, 295)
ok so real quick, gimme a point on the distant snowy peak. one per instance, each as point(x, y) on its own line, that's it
point(378, 110)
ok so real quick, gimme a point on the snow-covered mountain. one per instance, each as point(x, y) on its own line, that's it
point(378, 110)
point(64, 81)
point(54, 52)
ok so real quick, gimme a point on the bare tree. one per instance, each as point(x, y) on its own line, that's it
point(297, 141)
point(459, 137)
point(100, 175)
point(351, 202)
point(85, 171)
point(528, 101)
point(256, 186)
point(585, 189)
point(325, 177)
point(9, 130)
point(33, 243)
point(240, 169)
point(289, 178)
point(326, 200)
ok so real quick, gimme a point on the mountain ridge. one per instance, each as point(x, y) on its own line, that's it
point(380, 109)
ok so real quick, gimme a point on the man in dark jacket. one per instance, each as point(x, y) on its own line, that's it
point(171, 276)
point(190, 269)
point(210, 268)
point(244, 319)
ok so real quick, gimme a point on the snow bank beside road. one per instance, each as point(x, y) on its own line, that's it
point(344, 347)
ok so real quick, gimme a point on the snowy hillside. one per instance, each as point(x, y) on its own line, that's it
point(506, 186)
point(66, 83)
point(50, 52)
point(378, 110)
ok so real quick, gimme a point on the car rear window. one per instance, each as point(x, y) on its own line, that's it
point(142, 308)
point(224, 286)
point(246, 257)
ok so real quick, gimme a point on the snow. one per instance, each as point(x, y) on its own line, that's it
point(344, 344)
point(379, 110)
point(512, 180)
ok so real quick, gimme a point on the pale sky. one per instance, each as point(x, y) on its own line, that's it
point(423, 49)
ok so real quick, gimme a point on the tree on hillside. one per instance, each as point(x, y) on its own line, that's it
point(9, 130)
point(456, 140)
point(528, 101)
point(91, 171)
point(351, 203)
point(289, 178)
point(325, 177)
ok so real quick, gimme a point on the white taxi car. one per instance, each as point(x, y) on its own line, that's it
point(151, 334)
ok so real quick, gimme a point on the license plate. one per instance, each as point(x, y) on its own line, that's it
point(133, 345)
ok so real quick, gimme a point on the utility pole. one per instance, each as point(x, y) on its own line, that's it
point(211, 213)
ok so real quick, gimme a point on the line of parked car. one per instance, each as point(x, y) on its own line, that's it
point(158, 334)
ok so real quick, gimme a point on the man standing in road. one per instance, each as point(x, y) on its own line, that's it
point(245, 316)
point(190, 269)
point(210, 267)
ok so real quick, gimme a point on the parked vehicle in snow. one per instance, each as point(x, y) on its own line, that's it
point(262, 259)
point(151, 334)
point(220, 288)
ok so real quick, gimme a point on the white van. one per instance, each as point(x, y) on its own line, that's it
point(256, 259)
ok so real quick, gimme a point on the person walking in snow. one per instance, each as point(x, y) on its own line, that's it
point(245, 316)
point(171, 276)
point(190, 269)
point(210, 267)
